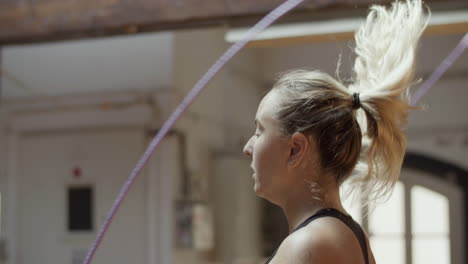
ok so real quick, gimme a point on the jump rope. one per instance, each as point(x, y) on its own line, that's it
point(265, 22)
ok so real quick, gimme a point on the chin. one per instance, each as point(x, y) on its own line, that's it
point(258, 190)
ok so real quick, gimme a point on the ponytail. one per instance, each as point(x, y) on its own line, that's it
point(385, 47)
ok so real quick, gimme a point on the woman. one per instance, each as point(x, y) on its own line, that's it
point(314, 133)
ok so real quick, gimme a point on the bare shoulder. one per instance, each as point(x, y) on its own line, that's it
point(325, 240)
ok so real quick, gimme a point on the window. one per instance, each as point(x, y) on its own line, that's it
point(413, 226)
point(80, 208)
point(430, 227)
point(386, 227)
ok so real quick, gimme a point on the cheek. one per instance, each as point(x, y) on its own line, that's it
point(268, 154)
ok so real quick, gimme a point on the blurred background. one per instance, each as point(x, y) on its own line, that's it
point(85, 85)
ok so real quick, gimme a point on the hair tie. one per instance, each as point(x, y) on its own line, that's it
point(356, 101)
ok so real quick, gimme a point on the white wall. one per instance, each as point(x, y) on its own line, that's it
point(219, 121)
point(237, 207)
point(3, 183)
point(441, 129)
point(45, 171)
point(99, 71)
point(231, 98)
point(48, 147)
point(3, 164)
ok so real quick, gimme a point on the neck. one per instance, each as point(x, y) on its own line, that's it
point(301, 205)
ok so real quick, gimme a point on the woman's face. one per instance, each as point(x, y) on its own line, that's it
point(269, 150)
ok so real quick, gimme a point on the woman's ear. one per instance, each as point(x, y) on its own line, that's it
point(298, 148)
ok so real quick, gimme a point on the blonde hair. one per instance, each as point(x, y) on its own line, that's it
point(366, 146)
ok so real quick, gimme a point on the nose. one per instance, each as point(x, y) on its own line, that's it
point(248, 148)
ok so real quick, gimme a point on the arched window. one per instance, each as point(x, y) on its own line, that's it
point(430, 226)
point(422, 221)
point(386, 228)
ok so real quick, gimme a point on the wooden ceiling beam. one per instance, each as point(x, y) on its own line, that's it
point(24, 22)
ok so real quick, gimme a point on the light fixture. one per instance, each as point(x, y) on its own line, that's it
point(452, 22)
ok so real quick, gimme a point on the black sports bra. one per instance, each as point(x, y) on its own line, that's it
point(348, 220)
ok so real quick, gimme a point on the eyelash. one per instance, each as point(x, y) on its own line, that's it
point(257, 132)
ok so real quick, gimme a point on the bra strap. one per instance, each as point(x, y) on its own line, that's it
point(349, 221)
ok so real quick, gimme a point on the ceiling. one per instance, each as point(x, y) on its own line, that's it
point(127, 63)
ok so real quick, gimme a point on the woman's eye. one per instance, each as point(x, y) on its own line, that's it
point(258, 130)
